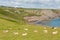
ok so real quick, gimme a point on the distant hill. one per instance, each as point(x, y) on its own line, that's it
point(12, 14)
point(17, 14)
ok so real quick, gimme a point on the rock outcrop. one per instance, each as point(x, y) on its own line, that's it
point(45, 15)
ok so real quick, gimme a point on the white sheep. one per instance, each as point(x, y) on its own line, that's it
point(55, 32)
point(26, 29)
point(55, 28)
point(35, 30)
point(5, 31)
point(16, 33)
point(24, 34)
point(45, 31)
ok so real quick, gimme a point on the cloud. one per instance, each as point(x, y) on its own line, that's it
point(32, 3)
point(32, 0)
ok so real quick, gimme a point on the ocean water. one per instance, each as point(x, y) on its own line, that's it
point(52, 23)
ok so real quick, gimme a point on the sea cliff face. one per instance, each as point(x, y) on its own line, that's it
point(44, 15)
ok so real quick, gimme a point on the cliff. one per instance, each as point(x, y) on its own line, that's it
point(44, 15)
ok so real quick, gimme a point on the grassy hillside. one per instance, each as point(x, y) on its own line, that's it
point(10, 14)
point(14, 14)
point(17, 14)
point(10, 29)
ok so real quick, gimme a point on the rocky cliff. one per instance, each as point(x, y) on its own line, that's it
point(44, 15)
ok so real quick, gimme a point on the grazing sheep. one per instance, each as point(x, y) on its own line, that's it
point(55, 28)
point(55, 32)
point(45, 31)
point(16, 33)
point(24, 34)
point(5, 31)
point(35, 30)
point(26, 29)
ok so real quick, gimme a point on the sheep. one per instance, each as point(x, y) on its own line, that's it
point(45, 31)
point(5, 31)
point(55, 32)
point(16, 33)
point(35, 30)
point(26, 29)
point(24, 34)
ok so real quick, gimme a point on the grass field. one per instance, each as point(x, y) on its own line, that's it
point(12, 30)
point(8, 28)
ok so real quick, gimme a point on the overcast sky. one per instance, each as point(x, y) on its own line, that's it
point(31, 3)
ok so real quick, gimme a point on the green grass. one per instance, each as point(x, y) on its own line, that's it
point(40, 35)
point(16, 22)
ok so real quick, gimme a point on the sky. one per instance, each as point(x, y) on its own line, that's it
point(32, 3)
